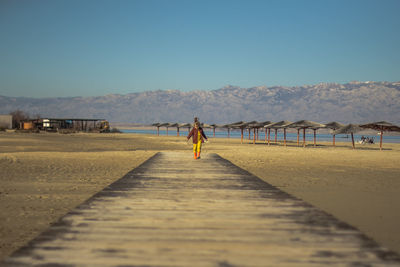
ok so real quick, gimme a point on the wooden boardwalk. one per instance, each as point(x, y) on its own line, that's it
point(176, 211)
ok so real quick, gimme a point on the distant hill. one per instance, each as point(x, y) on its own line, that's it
point(355, 102)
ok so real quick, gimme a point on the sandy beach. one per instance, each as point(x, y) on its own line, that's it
point(45, 175)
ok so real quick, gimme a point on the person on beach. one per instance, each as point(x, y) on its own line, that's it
point(198, 137)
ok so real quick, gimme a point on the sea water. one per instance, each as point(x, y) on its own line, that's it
point(289, 136)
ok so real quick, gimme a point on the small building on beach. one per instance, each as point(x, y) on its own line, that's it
point(6, 121)
point(56, 124)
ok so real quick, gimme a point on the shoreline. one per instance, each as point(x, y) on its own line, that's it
point(45, 175)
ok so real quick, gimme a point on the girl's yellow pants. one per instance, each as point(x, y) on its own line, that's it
point(197, 147)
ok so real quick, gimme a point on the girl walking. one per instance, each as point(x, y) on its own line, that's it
point(198, 137)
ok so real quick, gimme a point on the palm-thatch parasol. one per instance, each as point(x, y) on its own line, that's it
point(349, 129)
point(181, 125)
point(256, 126)
point(268, 127)
point(305, 124)
point(157, 124)
point(205, 125)
point(262, 124)
point(240, 125)
point(333, 125)
point(381, 126)
point(213, 126)
point(279, 125)
point(166, 124)
point(177, 127)
point(232, 125)
point(247, 125)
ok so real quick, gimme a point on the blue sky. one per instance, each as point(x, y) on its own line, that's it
point(63, 48)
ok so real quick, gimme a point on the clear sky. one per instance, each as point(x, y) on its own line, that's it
point(92, 47)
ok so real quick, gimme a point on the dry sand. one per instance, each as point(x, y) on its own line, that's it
point(43, 176)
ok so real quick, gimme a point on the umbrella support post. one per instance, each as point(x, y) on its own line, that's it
point(352, 140)
point(284, 136)
point(334, 145)
point(304, 137)
point(276, 134)
point(229, 133)
point(269, 135)
point(158, 130)
point(177, 131)
point(241, 135)
point(298, 137)
point(254, 136)
point(380, 143)
point(249, 134)
point(315, 137)
point(265, 135)
point(214, 132)
point(167, 131)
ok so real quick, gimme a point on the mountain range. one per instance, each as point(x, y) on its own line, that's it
point(355, 102)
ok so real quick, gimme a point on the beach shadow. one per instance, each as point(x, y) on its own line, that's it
point(311, 146)
point(288, 144)
point(372, 148)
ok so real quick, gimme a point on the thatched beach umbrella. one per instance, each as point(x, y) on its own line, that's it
point(262, 124)
point(268, 127)
point(349, 129)
point(252, 126)
point(213, 126)
point(181, 125)
point(381, 126)
point(242, 125)
point(205, 125)
point(232, 125)
point(333, 125)
point(157, 124)
point(256, 126)
point(305, 124)
point(189, 125)
point(247, 126)
point(177, 127)
point(279, 125)
point(166, 124)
